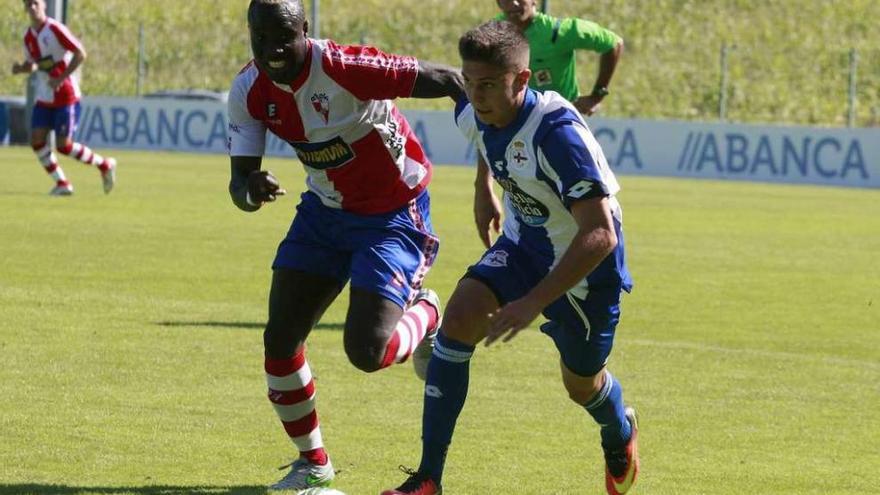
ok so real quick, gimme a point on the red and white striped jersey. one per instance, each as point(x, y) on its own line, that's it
point(359, 151)
point(51, 47)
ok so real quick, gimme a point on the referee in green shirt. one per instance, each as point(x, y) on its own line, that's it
point(552, 45)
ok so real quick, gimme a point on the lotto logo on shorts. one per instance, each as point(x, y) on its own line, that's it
point(495, 259)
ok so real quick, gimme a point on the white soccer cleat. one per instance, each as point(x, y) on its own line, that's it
point(422, 353)
point(109, 177)
point(65, 190)
point(303, 475)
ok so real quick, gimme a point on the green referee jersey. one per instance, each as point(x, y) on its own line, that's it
point(552, 43)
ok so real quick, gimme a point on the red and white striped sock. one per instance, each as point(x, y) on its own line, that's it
point(84, 154)
point(409, 332)
point(292, 394)
point(50, 163)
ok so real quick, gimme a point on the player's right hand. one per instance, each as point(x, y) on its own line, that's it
point(487, 215)
point(588, 105)
point(263, 187)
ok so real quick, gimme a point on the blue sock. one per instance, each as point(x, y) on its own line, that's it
point(446, 388)
point(607, 409)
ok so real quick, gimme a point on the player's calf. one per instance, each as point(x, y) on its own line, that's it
point(378, 333)
point(422, 353)
point(583, 389)
point(82, 153)
point(50, 165)
point(292, 394)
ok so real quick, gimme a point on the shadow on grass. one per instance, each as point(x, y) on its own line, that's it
point(238, 324)
point(138, 490)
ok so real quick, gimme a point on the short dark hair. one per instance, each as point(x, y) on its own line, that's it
point(495, 42)
point(295, 10)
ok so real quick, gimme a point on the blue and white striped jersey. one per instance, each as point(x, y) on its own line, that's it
point(544, 160)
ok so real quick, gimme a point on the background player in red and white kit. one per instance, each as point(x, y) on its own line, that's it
point(55, 53)
point(364, 218)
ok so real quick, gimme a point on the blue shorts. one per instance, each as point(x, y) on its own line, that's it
point(388, 254)
point(63, 120)
point(583, 330)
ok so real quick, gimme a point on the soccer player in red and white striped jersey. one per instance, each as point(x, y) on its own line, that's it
point(55, 54)
point(364, 218)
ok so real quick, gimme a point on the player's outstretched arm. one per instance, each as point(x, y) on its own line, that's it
point(249, 186)
point(438, 80)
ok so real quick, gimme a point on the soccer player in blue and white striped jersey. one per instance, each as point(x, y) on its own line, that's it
point(561, 253)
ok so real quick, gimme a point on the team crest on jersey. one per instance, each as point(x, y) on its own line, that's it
point(321, 104)
point(495, 259)
point(543, 77)
point(516, 155)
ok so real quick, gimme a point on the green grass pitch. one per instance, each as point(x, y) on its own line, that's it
point(130, 344)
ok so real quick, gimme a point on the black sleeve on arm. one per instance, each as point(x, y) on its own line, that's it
point(437, 80)
point(241, 167)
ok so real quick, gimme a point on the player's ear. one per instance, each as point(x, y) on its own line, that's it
point(522, 78)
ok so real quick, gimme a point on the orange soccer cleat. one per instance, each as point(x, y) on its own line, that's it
point(621, 467)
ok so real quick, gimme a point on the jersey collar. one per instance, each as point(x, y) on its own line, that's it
point(38, 30)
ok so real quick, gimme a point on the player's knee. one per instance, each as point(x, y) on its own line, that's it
point(276, 348)
point(582, 395)
point(461, 328)
point(583, 392)
point(367, 357)
point(279, 342)
point(37, 145)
